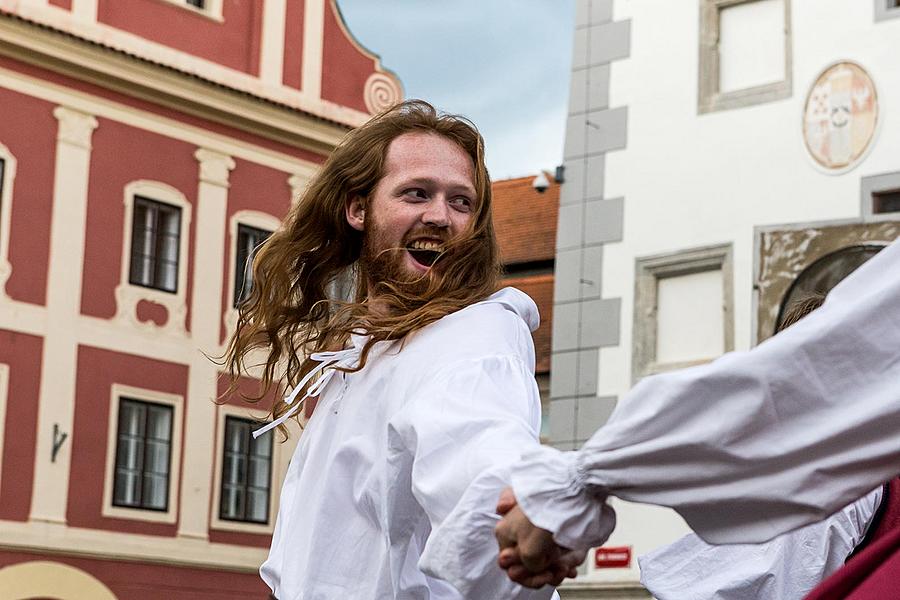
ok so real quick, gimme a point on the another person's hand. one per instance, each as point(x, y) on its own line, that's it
point(528, 553)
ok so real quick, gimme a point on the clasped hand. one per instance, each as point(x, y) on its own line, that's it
point(528, 553)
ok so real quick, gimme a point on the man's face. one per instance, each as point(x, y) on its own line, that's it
point(425, 198)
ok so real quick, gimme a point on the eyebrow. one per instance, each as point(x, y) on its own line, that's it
point(469, 189)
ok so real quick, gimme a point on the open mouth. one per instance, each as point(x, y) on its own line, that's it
point(424, 252)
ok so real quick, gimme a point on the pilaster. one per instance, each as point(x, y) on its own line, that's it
point(271, 59)
point(200, 413)
point(56, 406)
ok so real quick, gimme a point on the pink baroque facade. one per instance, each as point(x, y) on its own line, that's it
point(146, 148)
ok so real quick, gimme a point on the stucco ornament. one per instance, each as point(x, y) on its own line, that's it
point(840, 116)
point(381, 92)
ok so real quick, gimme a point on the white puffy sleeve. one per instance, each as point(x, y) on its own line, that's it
point(476, 417)
point(752, 445)
point(788, 566)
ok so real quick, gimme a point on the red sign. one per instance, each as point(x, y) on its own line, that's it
point(612, 557)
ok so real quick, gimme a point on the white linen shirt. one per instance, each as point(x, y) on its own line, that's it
point(391, 448)
point(745, 448)
point(786, 567)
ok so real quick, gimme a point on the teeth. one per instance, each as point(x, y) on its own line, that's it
point(425, 245)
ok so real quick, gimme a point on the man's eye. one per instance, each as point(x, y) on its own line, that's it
point(415, 192)
point(461, 203)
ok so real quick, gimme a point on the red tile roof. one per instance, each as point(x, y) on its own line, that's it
point(525, 220)
point(540, 288)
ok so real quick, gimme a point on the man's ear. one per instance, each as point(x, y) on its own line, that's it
point(356, 212)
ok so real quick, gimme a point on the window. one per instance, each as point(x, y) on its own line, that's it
point(197, 3)
point(887, 9)
point(249, 240)
point(745, 53)
point(886, 202)
point(143, 455)
point(246, 473)
point(683, 307)
point(880, 196)
point(155, 236)
point(7, 177)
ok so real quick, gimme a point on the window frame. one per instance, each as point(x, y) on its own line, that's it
point(268, 436)
point(144, 439)
point(883, 10)
point(709, 98)
point(872, 185)
point(251, 218)
point(212, 9)
point(159, 207)
point(280, 451)
point(176, 402)
point(4, 397)
point(7, 181)
point(648, 271)
point(240, 271)
point(129, 295)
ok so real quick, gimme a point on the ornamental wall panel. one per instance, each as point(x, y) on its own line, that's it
point(98, 371)
point(233, 41)
point(122, 155)
point(22, 355)
point(28, 131)
point(143, 581)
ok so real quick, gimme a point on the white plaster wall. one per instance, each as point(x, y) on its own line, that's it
point(693, 180)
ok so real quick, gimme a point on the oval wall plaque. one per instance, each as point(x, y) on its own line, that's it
point(840, 116)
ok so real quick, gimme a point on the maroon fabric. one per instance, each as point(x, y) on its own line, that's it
point(890, 516)
point(872, 575)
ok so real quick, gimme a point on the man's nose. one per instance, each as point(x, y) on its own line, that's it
point(437, 213)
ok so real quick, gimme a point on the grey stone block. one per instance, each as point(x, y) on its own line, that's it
point(597, 84)
point(591, 272)
point(607, 130)
point(580, 49)
point(582, 13)
point(570, 228)
point(599, 323)
point(601, 11)
point(575, 136)
point(596, 176)
point(588, 372)
point(604, 221)
point(609, 42)
point(573, 187)
point(565, 326)
point(592, 414)
point(578, 92)
point(567, 276)
point(563, 374)
point(562, 420)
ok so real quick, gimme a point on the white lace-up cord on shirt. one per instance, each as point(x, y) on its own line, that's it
point(346, 358)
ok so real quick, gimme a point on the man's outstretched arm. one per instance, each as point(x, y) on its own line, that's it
point(745, 448)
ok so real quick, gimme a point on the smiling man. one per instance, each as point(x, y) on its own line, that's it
point(422, 383)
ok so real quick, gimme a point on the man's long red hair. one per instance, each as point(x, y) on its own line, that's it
point(290, 313)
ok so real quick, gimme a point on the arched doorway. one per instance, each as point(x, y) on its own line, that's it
point(825, 273)
point(793, 260)
point(46, 579)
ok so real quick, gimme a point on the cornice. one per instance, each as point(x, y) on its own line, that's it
point(166, 87)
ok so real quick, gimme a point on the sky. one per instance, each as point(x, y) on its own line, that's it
point(504, 64)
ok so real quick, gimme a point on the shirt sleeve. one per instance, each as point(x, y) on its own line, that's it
point(752, 445)
point(475, 418)
point(788, 566)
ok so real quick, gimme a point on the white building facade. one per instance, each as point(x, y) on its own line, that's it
point(723, 158)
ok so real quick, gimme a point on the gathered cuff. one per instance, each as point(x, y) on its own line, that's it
point(553, 491)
